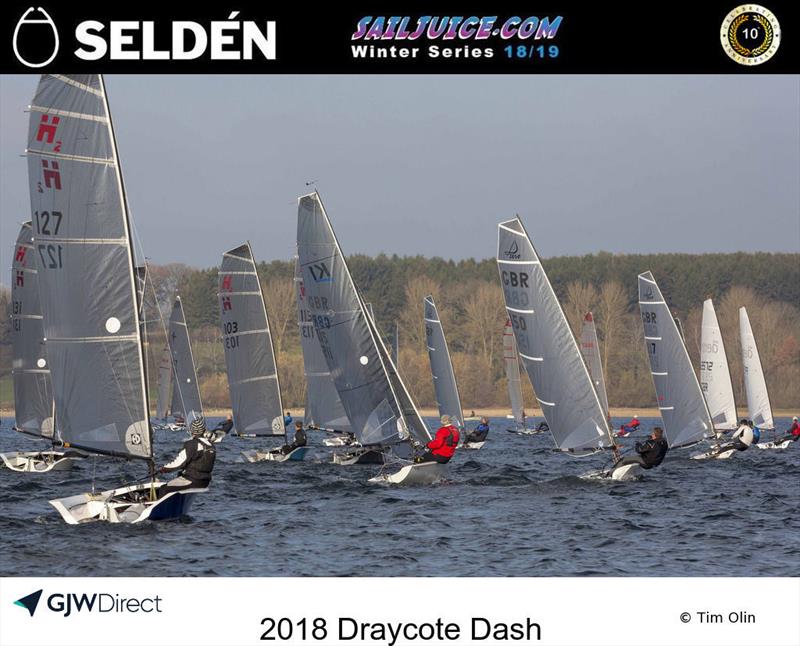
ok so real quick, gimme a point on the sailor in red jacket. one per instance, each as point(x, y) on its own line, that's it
point(442, 447)
point(793, 433)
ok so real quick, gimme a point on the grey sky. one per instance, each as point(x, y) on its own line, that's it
point(429, 165)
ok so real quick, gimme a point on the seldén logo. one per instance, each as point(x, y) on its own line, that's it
point(36, 40)
point(70, 603)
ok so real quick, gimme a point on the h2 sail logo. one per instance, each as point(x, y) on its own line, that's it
point(35, 38)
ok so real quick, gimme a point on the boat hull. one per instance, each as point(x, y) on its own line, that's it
point(127, 505)
point(775, 445)
point(714, 455)
point(364, 456)
point(473, 446)
point(38, 461)
point(423, 473)
point(296, 455)
point(338, 441)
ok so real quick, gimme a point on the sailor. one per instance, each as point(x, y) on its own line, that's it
point(480, 432)
point(741, 439)
point(542, 427)
point(442, 447)
point(287, 419)
point(756, 431)
point(650, 453)
point(221, 429)
point(195, 461)
point(792, 434)
point(630, 427)
point(299, 440)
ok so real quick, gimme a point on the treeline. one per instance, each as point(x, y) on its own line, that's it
point(470, 303)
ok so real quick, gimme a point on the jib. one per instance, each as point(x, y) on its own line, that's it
point(514, 279)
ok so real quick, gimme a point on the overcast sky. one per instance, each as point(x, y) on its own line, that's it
point(429, 164)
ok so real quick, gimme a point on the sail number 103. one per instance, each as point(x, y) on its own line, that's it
point(286, 629)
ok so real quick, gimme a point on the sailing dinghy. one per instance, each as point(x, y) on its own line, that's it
point(550, 353)
point(759, 408)
point(30, 372)
point(511, 361)
point(323, 409)
point(444, 378)
point(715, 375)
point(87, 286)
point(251, 368)
point(381, 412)
point(683, 408)
point(186, 402)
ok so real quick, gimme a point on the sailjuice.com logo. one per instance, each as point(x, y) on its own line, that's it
point(37, 39)
point(70, 603)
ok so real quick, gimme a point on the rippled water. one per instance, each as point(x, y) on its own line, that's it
point(514, 508)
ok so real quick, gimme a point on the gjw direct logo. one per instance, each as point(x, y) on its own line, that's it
point(37, 41)
point(70, 603)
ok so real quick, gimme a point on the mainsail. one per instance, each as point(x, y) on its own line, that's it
point(590, 349)
point(444, 379)
point(249, 355)
point(185, 391)
point(547, 346)
point(30, 373)
point(373, 395)
point(715, 376)
point(323, 407)
point(758, 406)
point(164, 383)
point(86, 271)
point(511, 360)
point(683, 408)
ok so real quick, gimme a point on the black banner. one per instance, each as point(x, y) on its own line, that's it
point(452, 38)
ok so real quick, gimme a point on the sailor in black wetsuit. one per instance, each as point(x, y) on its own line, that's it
point(221, 429)
point(195, 462)
point(649, 453)
point(299, 439)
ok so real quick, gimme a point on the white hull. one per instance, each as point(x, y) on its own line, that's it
point(713, 454)
point(38, 461)
point(130, 504)
point(525, 431)
point(775, 445)
point(339, 441)
point(171, 426)
point(625, 473)
point(414, 474)
point(296, 455)
point(473, 446)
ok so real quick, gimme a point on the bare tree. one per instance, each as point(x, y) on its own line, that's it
point(279, 298)
point(581, 298)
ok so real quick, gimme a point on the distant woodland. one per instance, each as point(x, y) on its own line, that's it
point(470, 303)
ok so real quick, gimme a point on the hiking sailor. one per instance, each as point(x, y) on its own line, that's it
point(221, 429)
point(299, 440)
point(195, 461)
point(479, 433)
point(442, 447)
point(742, 439)
point(650, 453)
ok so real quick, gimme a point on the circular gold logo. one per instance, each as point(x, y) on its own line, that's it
point(750, 34)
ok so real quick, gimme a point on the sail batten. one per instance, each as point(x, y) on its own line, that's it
point(372, 394)
point(715, 376)
point(549, 351)
point(444, 378)
point(87, 282)
point(755, 385)
point(684, 412)
point(249, 353)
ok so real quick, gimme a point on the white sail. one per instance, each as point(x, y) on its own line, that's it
point(715, 376)
point(511, 361)
point(590, 349)
point(680, 399)
point(758, 406)
point(87, 285)
point(547, 346)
